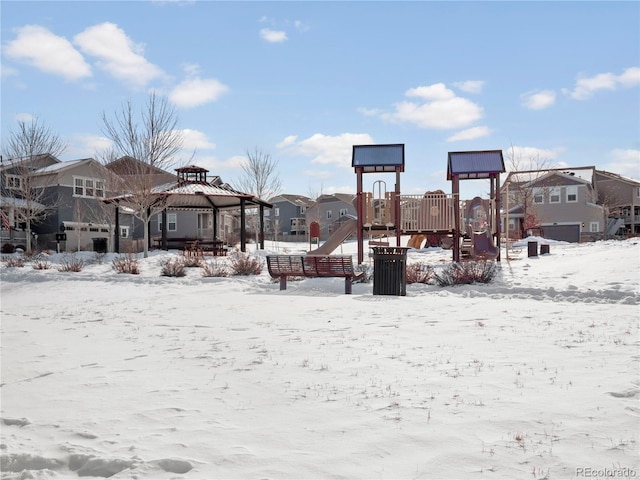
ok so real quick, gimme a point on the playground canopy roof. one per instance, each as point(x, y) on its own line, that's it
point(378, 158)
point(475, 165)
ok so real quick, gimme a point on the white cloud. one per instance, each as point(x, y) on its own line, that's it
point(290, 140)
point(470, 86)
point(437, 91)
point(531, 158)
point(440, 109)
point(273, 36)
point(586, 87)
point(624, 162)
point(88, 145)
point(630, 77)
point(117, 54)
point(38, 47)
point(195, 140)
point(197, 91)
point(326, 149)
point(318, 174)
point(538, 100)
point(470, 134)
point(24, 117)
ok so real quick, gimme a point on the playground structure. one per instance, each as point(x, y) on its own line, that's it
point(473, 228)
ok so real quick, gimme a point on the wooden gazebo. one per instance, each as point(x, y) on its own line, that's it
point(192, 190)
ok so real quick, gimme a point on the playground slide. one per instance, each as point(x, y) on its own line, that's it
point(483, 246)
point(345, 230)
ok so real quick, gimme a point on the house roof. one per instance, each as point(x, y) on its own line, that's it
point(615, 176)
point(62, 166)
point(575, 175)
point(475, 164)
point(294, 199)
point(29, 162)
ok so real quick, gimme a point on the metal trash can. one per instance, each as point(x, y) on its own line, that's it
point(390, 270)
point(532, 248)
point(544, 249)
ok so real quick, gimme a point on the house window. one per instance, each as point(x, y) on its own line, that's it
point(79, 187)
point(538, 195)
point(594, 227)
point(100, 188)
point(554, 195)
point(13, 182)
point(572, 194)
point(124, 232)
point(638, 192)
point(88, 187)
point(304, 209)
point(267, 213)
point(329, 215)
point(172, 222)
point(343, 212)
point(276, 212)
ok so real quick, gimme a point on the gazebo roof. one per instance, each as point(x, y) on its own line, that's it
point(195, 194)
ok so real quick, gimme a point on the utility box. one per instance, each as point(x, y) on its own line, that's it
point(532, 248)
point(390, 270)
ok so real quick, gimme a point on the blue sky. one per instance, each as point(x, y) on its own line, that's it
point(304, 81)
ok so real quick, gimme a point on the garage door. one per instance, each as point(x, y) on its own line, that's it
point(565, 233)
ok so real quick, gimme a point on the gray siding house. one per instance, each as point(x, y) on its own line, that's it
point(287, 219)
point(73, 216)
point(561, 204)
point(620, 196)
point(330, 211)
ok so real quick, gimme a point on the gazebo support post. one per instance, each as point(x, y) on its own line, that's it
point(243, 225)
point(116, 234)
point(163, 232)
point(261, 208)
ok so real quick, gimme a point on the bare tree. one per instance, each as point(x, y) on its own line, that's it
point(144, 146)
point(26, 149)
point(260, 175)
point(528, 169)
point(260, 178)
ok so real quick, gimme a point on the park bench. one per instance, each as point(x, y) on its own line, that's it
point(311, 266)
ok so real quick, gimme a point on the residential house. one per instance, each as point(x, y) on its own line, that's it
point(287, 219)
point(561, 204)
point(330, 211)
point(620, 196)
point(71, 215)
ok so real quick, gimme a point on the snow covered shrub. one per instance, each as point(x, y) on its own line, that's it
point(214, 269)
point(465, 273)
point(367, 273)
point(192, 261)
point(245, 264)
point(71, 264)
point(40, 262)
point(173, 268)
point(12, 262)
point(419, 273)
point(127, 264)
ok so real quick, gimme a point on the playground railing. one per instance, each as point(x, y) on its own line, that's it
point(427, 213)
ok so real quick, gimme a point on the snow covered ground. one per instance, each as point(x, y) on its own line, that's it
point(534, 376)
